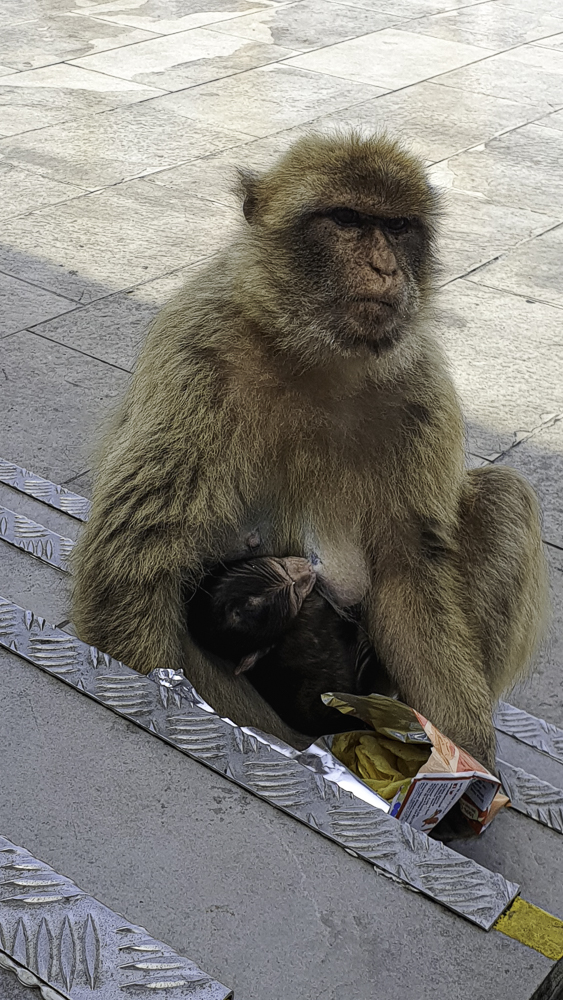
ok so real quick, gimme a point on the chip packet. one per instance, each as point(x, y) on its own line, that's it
point(412, 765)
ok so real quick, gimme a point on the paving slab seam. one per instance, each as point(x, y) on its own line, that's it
point(466, 275)
point(60, 343)
point(70, 945)
point(308, 785)
point(35, 284)
point(521, 436)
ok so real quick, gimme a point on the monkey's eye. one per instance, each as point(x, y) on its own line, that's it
point(346, 217)
point(397, 225)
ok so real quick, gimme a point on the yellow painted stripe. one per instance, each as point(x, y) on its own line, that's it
point(534, 927)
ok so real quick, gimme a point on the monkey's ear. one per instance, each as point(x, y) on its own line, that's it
point(248, 187)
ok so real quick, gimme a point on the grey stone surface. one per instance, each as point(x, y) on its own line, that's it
point(158, 291)
point(475, 228)
point(544, 5)
point(252, 896)
point(554, 120)
point(113, 328)
point(23, 190)
point(106, 149)
point(109, 240)
point(533, 270)
point(82, 483)
point(22, 304)
point(309, 24)
point(12, 989)
point(541, 460)
point(491, 25)
point(526, 73)
point(184, 59)
point(552, 42)
point(45, 40)
point(255, 898)
point(505, 353)
point(168, 16)
point(438, 121)
point(267, 100)
point(32, 584)
point(53, 401)
point(542, 693)
point(215, 176)
point(516, 844)
point(552, 986)
point(15, 11)
point(409, 8)
point(390, 58)
point(520, 169)
point(42, 97)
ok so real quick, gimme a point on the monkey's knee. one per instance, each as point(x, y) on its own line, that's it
point(497, 503)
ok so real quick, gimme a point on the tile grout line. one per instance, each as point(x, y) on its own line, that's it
point(499, 256)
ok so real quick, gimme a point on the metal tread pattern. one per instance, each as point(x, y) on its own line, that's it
point(54, 549)
point(531, 796)
point(536, 733)
point(44, 490)
point(35, 539)
point(53, 935)
point(165, 704)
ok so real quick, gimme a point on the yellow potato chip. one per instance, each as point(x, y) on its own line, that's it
point(344, 748)
point(385, 765)
point(381, 757)
point(367, 766)
point(386, 789)
point(407, 751)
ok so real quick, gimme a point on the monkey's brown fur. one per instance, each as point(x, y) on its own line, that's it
point(297, 382)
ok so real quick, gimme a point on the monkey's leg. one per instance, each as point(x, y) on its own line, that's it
point(457, 618)
point(503, 564)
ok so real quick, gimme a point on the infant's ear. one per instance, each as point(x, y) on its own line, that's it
point(249, 661)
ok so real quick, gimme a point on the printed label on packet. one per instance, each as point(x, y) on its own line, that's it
point(429, 797)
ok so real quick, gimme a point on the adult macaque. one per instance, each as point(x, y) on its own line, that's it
point(267, 617)
point(296, 386)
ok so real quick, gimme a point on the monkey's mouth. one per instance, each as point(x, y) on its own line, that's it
point(373, 300)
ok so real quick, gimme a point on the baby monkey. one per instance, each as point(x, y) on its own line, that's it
point(268, 616)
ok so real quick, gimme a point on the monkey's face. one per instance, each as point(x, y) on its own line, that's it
point(366, 266)
point(345, 226)
point(260, 597)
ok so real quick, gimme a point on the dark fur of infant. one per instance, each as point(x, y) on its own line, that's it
point(269, 618)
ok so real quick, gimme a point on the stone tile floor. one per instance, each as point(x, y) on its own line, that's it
point(121, 124)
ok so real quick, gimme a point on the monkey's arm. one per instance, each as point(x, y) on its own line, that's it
point(417, 620)
point(127, 597)
point(162, 507)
